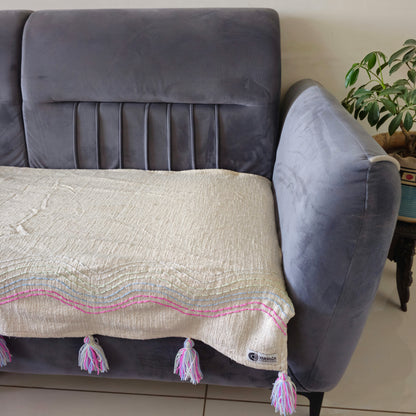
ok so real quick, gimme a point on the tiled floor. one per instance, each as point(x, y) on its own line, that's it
point(380, 381)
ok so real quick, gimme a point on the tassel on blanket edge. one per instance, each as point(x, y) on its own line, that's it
point(91, 356)
point(5, 356)
point(283, 397)
point(187, 363)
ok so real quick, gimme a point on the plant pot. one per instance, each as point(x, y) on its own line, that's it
point(390, 144)
point(407, 211)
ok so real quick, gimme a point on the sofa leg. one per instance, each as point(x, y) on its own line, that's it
point(315, 402)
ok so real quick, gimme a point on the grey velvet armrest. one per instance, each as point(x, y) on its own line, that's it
point(337, 194)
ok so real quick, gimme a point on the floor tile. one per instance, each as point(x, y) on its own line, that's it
point(245, 394)
point(236, 408)
point(41, 402)
point(382, 373)
point(230, 408)
point(345, 412)
point(238, 393)
point(103, 384)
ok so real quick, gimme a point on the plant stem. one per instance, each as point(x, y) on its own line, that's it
point(381, 72)
point(379, 80)
point(410, 140)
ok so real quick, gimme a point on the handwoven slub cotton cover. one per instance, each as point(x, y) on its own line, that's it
point(144, 254)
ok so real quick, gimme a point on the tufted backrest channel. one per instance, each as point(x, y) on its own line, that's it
point(152, 89)
point(12, 141)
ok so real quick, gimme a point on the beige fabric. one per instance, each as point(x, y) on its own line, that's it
point(144, 254)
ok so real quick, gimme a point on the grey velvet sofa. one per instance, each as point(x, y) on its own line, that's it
point(190, 89)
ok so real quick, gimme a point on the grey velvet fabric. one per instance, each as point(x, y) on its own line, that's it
point(184, 89)
point(153, 89)
point(151, 136)
point(337, 211)
point(180, 56)
point(12, 142)
point(131, 359)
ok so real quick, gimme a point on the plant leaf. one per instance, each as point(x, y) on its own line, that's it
point(382, 120)
point(363, 114)
point(390, 90)
point(360, 101)
point(410, 42)
point(409, 55)
point(400, 82)
point(381, 67)
point(399, 52)
point(370, 59)
point(358, 104)
point(408, 121)
point(377, 87)
point(362, 92)
point(381, 55)
point(373, 114)
point(345, 105)
point(351, 77)
point(396, 67)
point(395, 123)
point(391, 107)
point(411, 73)
point(349, 107)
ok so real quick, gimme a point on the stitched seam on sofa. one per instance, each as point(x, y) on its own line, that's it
point(51, 101)
point(385, 158)
point(25, 134)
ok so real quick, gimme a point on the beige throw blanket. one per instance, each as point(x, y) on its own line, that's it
point(136, 254)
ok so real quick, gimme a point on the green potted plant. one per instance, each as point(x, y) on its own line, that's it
point(389, 95)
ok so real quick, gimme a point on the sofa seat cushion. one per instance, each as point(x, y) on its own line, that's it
point(144, 254)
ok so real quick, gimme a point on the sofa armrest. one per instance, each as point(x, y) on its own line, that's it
point(337, 194)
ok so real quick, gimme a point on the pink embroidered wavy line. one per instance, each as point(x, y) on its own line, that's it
point(144, 296)
point(123, 305)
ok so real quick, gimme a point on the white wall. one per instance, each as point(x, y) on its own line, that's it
point(320, 38)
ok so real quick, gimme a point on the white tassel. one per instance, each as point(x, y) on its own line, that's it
point(187, 363)
point(5, 356)
point(91, 356)
point(283, 397)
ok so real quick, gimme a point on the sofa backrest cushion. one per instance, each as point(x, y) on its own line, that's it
point(12, 141)
point(152, 89)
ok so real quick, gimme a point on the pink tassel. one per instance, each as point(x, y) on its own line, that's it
point(187, 363)
point(5, 356)
point(91, 356)
point(283, 396)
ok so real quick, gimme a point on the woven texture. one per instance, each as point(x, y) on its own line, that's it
point(142, 255)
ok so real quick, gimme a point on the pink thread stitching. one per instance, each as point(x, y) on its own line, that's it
point(124, 305)
point(145, 296)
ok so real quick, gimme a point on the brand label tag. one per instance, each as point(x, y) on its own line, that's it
point(260, 357)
